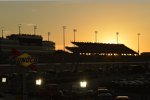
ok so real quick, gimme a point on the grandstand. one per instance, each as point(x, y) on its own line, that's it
point(103, 49)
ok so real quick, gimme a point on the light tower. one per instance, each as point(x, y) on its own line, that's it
point(64, 28)
point(74, 30)
point(138, 43)
point(19, 26)
point(96, 36)
point(2, 32)
point(35, 27)
point(48, 35)
point(117, 33)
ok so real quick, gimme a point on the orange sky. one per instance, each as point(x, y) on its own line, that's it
point(107, 17)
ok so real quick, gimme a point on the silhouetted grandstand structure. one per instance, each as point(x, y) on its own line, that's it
point(103, 49)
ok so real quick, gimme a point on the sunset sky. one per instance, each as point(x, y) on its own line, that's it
point(128, 17)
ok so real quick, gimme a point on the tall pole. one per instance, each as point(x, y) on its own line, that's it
point(48, 35)
point(117, 33)
point(138, 43)
point(74, 30)
point(64, 28)
point(19, 28)
point(96, 36)
point(35, 27)
point(2, 32)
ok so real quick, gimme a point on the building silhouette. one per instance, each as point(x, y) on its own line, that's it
point(101, 49)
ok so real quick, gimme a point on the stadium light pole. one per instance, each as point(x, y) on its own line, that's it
point(2, 32)
point(138, 43)
point(48, 35)
point(96, 36)
point(74, 30)
point(19, 28)
point(117, 33)
point(64, 28)
point(35, 27)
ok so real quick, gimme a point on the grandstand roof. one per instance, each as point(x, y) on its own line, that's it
point(89, 47)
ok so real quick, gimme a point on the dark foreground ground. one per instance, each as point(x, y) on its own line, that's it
point(100, 87)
